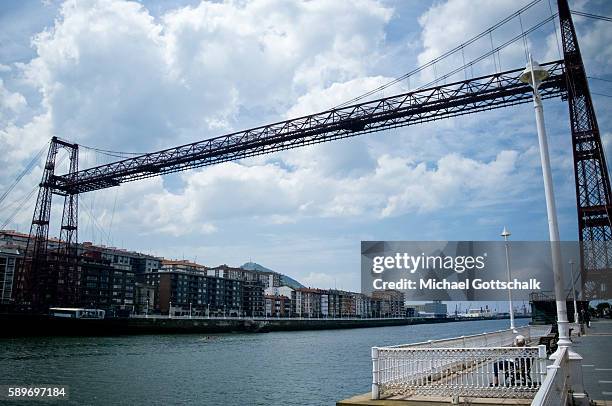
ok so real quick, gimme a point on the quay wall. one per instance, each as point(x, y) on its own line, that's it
point(15, 325)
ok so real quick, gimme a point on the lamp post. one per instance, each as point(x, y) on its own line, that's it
point(505, 233)
point(170, 310)
point(571, 262)
point(189, 309)
point(534, 75)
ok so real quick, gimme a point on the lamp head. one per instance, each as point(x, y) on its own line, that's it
point(540, 74)
point(505, 233)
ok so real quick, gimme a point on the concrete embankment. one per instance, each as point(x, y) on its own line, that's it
point(35, 325)
point(14, 325)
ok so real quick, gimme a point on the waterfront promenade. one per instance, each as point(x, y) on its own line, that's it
point(595, 347)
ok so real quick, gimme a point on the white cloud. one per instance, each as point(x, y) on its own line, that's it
point(109, 72)
point(319, 280)
point(11, 103)
point(596, 46)
point(320, 99)
point(23, 141)
point(456, 180)
point(112, 76)
point(274, 194)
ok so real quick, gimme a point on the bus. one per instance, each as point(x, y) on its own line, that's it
point(77, 313)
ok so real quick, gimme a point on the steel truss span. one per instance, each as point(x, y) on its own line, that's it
point(420, 106)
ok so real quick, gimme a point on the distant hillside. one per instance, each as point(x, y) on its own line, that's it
point(285, 280)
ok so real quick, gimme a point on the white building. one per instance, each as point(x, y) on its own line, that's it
point(363, 306)
point(278, 291)
point(324, 305)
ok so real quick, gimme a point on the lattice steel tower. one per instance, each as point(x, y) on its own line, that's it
point(593, 197)
point(50, 275)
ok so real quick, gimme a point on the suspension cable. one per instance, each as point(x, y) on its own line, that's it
point(111, 153)
point(94, 222)
point(602, 79)
point(556, 35)
point(590, 15)
point(489, 53)
point(24, 172)
point(441, 57)
point(21, 204)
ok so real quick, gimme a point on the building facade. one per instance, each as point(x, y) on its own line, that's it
point(9, 261)
point(144, 298)
point(388, 303)
point(435, 309)
point(268, 279)
point(181, 288)
point(224, 296)
point(306, 302)
point(253, 301)
point(106, 287)
point(278, 306)
point(124, 282)
point(363, 305)
point(185, 288)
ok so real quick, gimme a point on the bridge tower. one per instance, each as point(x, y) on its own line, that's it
point(49, 275)
point(593, 196)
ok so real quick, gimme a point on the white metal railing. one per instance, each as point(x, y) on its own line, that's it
point(483, 365)
point(501, 338)
point(508, 372)
point(555, 388)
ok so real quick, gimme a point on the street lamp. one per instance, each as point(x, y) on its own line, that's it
point(571, 262)
point(534, 74)
point(189, 309)
point(505, 233)
point(170, 310)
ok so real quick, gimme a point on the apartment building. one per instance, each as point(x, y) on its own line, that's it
point(388, 303)
point(278, 306)
point(306, 302)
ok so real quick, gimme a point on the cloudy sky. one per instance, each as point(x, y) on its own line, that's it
point(142, 76)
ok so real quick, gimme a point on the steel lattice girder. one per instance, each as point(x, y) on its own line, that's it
point(444, 101)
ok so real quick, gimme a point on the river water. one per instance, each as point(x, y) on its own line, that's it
point(284, 368)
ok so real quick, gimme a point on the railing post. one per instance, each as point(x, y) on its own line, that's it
point(375, 374)
point(574, 365)
point(542, 358)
